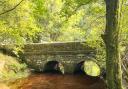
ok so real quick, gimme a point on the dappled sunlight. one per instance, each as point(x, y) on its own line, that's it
point(91, 68)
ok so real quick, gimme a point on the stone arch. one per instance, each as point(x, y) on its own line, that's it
point(53, 67)
point(89, 64)
point(79, 68)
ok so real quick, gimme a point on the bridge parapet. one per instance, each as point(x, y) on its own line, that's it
point(67, 47)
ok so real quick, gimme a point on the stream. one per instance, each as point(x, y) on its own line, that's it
point(55, 81)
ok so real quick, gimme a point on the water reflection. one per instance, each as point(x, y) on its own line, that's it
point(55, 81)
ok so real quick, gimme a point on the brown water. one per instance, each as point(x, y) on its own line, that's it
point(55, 81)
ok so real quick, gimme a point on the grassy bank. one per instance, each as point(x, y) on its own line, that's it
point(11, 69)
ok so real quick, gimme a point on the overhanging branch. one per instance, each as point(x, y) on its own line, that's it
point(12, 8)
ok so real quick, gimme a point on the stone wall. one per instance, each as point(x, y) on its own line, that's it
point(68, 54)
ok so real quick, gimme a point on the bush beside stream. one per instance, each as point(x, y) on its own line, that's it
point(11, 69)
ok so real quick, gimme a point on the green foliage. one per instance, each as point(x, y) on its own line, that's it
point(124, 26)
point(19, 25)
point(11, 68)
point(85, 1)
point(91, 68)
point(39, 20)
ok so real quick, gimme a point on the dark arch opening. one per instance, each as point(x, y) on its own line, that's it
point(53, 67)
point(79, 69)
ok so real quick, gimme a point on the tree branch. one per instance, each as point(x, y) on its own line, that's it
point(12, 8)
point(74, 11)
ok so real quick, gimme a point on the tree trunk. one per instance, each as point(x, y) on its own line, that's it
point(111, 39)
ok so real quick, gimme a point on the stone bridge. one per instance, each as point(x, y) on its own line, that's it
point(69, 55)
